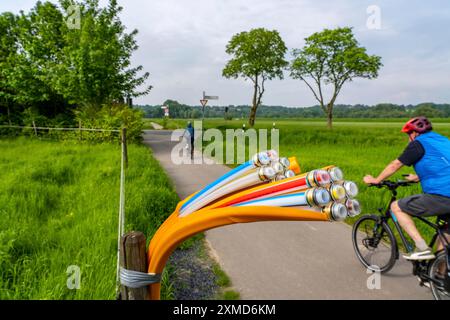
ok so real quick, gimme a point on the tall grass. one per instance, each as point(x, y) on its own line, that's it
point(59, 207)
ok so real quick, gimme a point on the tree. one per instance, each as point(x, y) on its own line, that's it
point(8, 53)
point(41, 42)
point(332, 57)
point(258, 55)
point(94, 67)
point(427, 110)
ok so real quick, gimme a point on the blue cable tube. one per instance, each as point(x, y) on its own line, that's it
point(316, 197)
point(258, 160)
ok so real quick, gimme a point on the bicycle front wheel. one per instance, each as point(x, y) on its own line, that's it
point(374, 243)
point(437, 270)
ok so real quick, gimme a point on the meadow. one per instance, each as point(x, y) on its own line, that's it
point(59, 207)
point(358, 147)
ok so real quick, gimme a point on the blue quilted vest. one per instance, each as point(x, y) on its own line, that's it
point(434, 167)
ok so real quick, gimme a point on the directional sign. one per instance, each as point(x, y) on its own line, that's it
point(205, 97)
point(203, 102)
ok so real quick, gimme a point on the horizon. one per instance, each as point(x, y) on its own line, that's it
point(311, 106)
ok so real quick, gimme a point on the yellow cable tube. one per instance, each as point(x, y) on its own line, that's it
point(337, 192)
point(203, 220)
point(294, 166)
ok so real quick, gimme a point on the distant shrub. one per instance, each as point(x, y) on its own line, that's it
point(111, 117)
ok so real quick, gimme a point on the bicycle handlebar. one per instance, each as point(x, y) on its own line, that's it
point(392, 185)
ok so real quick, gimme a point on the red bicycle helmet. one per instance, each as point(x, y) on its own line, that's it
point(418, 124)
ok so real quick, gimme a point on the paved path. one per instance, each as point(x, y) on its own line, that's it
point(286, 260)
point(156, 126)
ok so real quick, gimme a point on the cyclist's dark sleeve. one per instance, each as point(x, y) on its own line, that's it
point(412, 154)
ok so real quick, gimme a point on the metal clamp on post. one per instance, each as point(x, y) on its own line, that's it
point(135, 279)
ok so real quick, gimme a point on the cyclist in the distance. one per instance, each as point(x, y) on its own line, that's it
point(429, 153)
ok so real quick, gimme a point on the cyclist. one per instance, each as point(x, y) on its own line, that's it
point(190, 137)
point(429, 153)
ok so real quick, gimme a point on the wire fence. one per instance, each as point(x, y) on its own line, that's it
point(63, 133)
point(60, 129)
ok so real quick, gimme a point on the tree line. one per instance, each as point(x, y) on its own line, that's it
point(58, 73)
point(382, 110)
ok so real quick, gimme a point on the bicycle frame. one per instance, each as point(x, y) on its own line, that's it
point(439, 232)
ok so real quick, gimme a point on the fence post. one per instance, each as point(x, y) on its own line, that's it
point(133, 257)
point(124, 146)
point(34, 127)
point(81, 132)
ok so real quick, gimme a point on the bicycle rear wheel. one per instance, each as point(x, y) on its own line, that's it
point(439, 265)
point(374, 243)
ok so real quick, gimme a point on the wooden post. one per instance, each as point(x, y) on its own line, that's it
point(124, 146)
point(133, 257)
point(81, 132)
point(35, 130)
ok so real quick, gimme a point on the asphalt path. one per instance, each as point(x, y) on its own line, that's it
point(286, 260)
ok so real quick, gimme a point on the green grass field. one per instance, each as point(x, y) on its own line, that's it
point(59, 207)
point(358, 147)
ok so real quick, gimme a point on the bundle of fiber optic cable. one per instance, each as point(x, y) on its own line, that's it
point(266, 188)
point(270, 180)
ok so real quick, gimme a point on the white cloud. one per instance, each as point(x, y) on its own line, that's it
point(182, 45)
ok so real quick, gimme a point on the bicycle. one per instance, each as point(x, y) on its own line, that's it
point(372, 235)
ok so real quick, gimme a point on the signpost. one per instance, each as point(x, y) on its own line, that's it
point(204, 101)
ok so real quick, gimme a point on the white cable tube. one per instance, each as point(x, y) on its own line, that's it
point(284, 162)
point(351, 188)
point(281, 166)
point(336, 211)
point(278, 168)
point(289, 173)
point(273, 155)
point(279, 177)
point(336, 174)
point(353, 207)
point(258, 160)
point(317, 197)
point(263, 174)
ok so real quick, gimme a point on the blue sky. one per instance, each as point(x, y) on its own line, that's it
point(182, 45)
